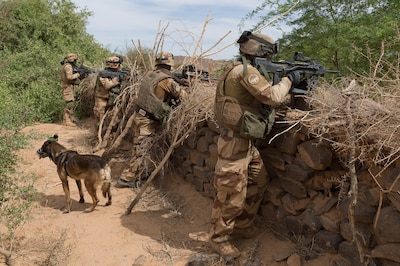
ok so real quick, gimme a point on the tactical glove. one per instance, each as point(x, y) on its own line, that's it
point(295, 78)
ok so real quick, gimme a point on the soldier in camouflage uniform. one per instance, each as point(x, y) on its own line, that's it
point(244, 112)
point(69, 79)
point(157, 94)
point(107, 86)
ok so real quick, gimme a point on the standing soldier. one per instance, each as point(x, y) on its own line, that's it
point(69, 80)
point(108, 87)
point(158, 93)
point(244, 112)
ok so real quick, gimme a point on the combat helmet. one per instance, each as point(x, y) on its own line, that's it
point(258, 45)
point(71, 57)
point(164, 58)
point(113, 61)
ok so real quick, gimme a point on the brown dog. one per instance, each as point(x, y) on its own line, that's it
point(92, 169)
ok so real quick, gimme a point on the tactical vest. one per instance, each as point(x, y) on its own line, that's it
point(245, 121)
point(146, 99)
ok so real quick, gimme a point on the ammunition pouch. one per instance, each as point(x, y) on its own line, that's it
point(257, 125)
point(246, 121)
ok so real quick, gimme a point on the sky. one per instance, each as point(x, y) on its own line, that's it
point(119, 24)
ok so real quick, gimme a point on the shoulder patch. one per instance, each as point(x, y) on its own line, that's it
point(253, 79)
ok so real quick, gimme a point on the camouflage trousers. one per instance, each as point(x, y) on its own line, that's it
point(68, 93)
point(240, 179)
point(99, 108)
point(141, 165)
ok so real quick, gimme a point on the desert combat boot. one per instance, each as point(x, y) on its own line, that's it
point(225, 249)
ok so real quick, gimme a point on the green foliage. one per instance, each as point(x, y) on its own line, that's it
point(43, 32)
point(142, 59)
point(340, 33)
point(16, 191)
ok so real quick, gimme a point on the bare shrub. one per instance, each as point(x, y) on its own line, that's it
point(361, 119)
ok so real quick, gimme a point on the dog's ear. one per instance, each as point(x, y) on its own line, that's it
point(53, 138)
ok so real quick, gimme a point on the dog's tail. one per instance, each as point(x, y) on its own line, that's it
point(106, 186)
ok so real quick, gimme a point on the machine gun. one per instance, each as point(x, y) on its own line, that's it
point(83, 71)
point(190, 71)
point(310, 71)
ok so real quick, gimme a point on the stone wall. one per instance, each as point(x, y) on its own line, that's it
point(307, 197)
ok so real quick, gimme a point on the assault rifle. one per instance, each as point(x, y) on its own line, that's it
point(121, 74)
point(310, 71)
point(83, 71)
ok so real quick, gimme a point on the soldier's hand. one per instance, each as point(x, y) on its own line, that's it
point(295, 78)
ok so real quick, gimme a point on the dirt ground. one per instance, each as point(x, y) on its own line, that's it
point(168, 226)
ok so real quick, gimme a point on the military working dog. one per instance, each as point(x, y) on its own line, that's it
point(90, 168)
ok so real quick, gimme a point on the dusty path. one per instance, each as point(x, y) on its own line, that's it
point(166, 227)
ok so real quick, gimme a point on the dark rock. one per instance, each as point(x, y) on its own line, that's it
point(331, 220)
point(296, 172)
point(315, 155)
point(281, 213)
point(201, 173)
point(329, 241)
point(362, 213)
point(288, 203)
point(323, 204)
point(268, 211)
point(349, 251)
point(294, 224)
point(288, 142)
point(272, 157)
point(387, 251)
point(274, 192)
point(213, 156)
point(293, 187)
point(209, 190)
point(198, 158)
point(311, 220)
point(363, 232)
point(394, 199)
point(281, 232)
point(370, 196)
point(387, 227)
point(202, 144)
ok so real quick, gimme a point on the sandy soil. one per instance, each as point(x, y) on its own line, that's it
point(167, 227)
